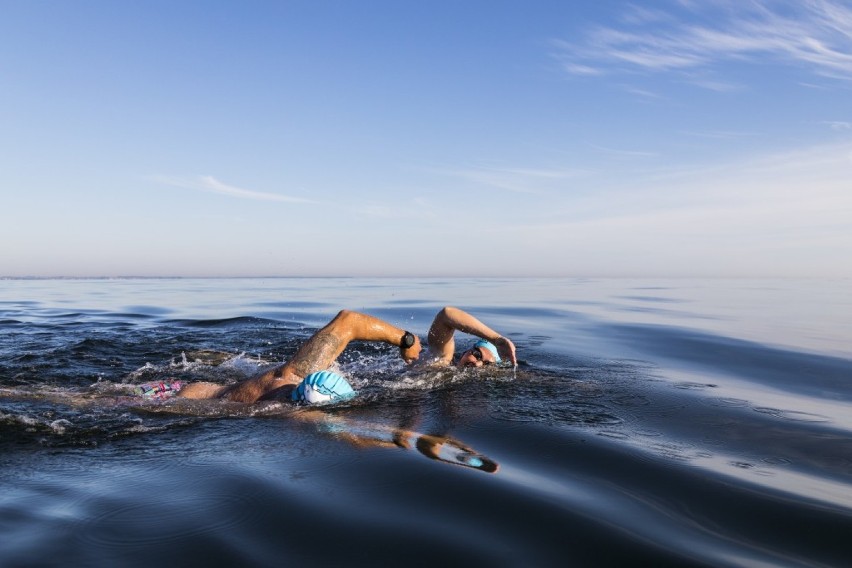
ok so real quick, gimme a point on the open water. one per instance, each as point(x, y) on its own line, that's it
point(650, 422)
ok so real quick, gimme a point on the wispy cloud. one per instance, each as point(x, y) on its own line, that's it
point(782, 214)
point(417, 208)
point(838, 124)
point(518, 180)
point(212, 185)
point(816, 34)
point(721, 134)
point(714, 85)
point(642, 92)
point(624, 153)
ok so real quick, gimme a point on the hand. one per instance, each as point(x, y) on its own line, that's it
point(402, 438)
point(506, 349)
point(411, 354)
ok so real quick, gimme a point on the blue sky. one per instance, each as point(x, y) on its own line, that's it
point(397, 138)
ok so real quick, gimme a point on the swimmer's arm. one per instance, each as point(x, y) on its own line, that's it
point(355, 326)
point(449, 320)
point(321, 350)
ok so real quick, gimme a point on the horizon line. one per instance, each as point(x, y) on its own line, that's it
point(460, 276)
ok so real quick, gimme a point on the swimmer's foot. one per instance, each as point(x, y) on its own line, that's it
point(159, 390)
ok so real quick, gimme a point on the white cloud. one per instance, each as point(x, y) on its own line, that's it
point(518, 180)
point(212, 185)
point(416, 210)
point(838, 124)
point(642, 92)
point(721, 134)
point(625, 153)
point(576, 69)
point(785, 214)
point(715, 85)
point(817, 34)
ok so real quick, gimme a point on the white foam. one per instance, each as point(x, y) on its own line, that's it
point(59, 426)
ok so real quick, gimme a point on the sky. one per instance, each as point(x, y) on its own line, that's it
point(662, 138)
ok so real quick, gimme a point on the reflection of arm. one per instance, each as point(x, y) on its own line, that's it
point(358, 434)
point(435, 447)
point(449, 320)
point(452, 451)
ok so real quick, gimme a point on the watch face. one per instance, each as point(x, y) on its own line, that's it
point(407, 340)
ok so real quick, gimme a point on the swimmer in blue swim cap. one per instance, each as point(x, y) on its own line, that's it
point(491, 347)
point(308, 368)
point(322, 387)
point(319, 352)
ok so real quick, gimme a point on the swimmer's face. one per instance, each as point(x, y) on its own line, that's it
point(476, 357)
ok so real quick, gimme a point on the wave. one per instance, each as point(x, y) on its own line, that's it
point(627, 440)
point(795, 371)
point(222, 323)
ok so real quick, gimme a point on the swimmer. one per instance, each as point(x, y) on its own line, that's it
point(305, 377)
point(491, 348)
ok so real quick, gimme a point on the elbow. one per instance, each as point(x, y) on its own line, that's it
point(449, 315)
point(343, 316)
point(447, 311)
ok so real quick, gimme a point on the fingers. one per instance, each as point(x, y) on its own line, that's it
point(412, 353)
point(506, 349)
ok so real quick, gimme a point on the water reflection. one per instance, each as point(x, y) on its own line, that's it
point(362, 433)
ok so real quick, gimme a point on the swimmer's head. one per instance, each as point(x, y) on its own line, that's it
point(490, 346)
point(482, 353)
point(322, 387)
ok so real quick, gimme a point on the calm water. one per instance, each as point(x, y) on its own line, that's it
point(671, 422)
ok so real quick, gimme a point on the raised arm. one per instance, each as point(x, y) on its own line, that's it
point(449, 320)
point(320, 351)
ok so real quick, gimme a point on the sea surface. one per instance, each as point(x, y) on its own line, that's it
point(649, 423)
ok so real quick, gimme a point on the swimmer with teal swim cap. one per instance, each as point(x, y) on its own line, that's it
point(490, 348)
point(482, 344)
point(322, 387)
point(305, 378)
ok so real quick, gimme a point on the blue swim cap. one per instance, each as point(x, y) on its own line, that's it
point(322, 386)
point(490, 346)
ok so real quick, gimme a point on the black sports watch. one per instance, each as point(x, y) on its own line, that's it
point(407, 340)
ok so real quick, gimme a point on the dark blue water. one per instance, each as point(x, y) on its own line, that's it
point(675, 422)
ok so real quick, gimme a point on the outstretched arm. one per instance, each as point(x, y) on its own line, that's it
point(320, 351)
point(449, 320)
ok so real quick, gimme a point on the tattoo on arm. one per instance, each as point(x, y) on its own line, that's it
point(315, 355)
